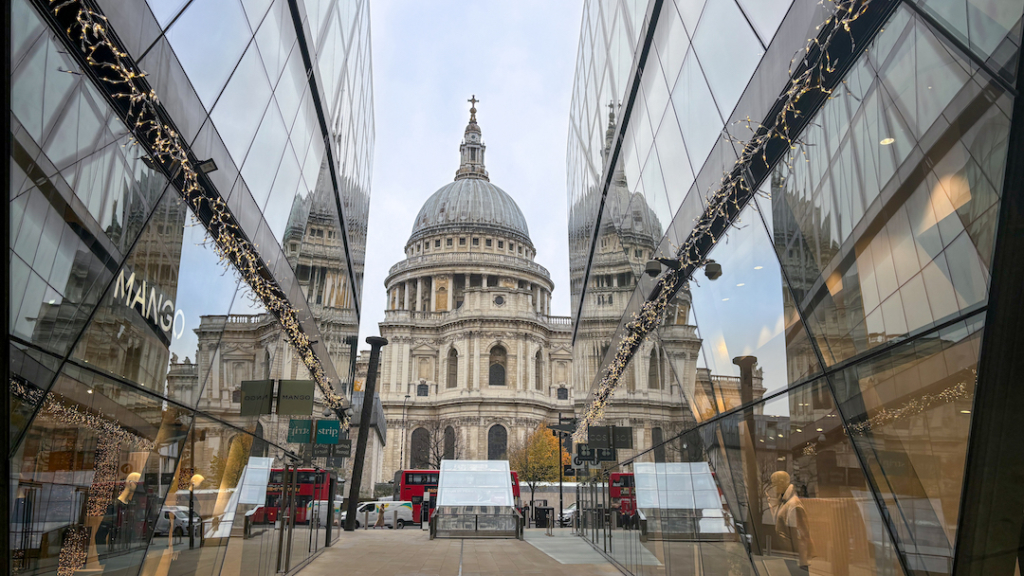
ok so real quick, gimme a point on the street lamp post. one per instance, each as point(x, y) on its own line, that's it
point(401, 452)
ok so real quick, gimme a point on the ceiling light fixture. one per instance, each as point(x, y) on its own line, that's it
point(887, 141)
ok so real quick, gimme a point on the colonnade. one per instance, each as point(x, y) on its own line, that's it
point(437, 293)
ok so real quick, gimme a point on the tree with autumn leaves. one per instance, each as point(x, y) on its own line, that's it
point(537, 459)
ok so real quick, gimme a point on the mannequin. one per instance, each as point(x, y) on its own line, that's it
point(791, 523)
point(116, 525)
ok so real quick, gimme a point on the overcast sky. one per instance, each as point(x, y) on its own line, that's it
point(428, 59)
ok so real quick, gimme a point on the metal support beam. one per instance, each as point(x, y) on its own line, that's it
point(988, 536)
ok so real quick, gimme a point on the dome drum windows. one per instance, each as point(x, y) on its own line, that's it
point(496, 366)
point(453, 369)
point(497, 442)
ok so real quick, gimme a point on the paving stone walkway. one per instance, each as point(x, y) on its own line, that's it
point(410, 552)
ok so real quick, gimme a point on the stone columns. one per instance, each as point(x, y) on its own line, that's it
point(433, 294)
point(536, 299)
point(451, 291)
point(476, 361)
point(419, 294)
point(519, 364)
point(405, 287)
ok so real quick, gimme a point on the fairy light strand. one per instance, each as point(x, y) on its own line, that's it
point(142, 114)
point(725, 204)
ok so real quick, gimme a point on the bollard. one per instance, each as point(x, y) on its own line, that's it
point(366, 519)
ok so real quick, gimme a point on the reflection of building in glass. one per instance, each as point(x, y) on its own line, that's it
point(838, 345)
point(148, 260)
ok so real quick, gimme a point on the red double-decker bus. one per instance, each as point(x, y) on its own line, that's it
point(312, 485)
point(420, 486)
point(622, 492)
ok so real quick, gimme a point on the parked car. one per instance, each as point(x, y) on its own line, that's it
point(368, 511)
point(178, 517)
point(568, 513)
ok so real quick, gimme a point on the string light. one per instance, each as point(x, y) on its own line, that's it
point(73, 551)
point(725, 204)
point(143, 114)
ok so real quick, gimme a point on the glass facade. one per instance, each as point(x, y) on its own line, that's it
point(805, 403)
point(155, 267)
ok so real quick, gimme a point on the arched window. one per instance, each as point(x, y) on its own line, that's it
point(538, 368)
point(453, 368)
point(658, 439)
point(497, 442)
point(419, 449)
point(496, 372)
point(654, 371)
point(449, 443)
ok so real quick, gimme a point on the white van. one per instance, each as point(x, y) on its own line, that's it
point(399, 513)
point(316, 511)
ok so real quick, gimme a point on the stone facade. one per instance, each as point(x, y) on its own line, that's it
point(476, 361)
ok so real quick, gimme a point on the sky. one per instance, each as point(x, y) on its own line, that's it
point(429, 58)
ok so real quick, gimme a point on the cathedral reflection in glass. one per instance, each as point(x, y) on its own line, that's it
point(806, 403)
point(130, 336)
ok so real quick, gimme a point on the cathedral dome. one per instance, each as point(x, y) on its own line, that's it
point(471, 202)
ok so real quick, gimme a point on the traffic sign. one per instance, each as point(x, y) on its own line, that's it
point(562, 429)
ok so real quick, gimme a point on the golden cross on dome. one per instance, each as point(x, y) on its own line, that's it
point(472, 110)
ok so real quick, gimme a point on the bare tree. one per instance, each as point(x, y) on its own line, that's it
point(436, 441)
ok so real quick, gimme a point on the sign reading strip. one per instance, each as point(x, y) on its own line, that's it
point(295, 398)
point(300, 431)
point(328, 431)
point(256, 397)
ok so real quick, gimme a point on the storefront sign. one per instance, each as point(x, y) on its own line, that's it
point(328, 431)
point(595, 455)
point(300, 431)
point(343, 448)
point(151, 303)
point(295, 398)
point(256, 397)
point(599, 437)
point(322, 450)
point(622, 437)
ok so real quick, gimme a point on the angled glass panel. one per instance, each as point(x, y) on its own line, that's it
point(91, 474)
point(909, 412)
point(803, 500)
point(32, 373)
point(991, 29)
point(765, 16)
point(698, 116)
point(727, 70)
point(241, 107)
point(924, 210)
point(193, 42)
point(739, 304)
